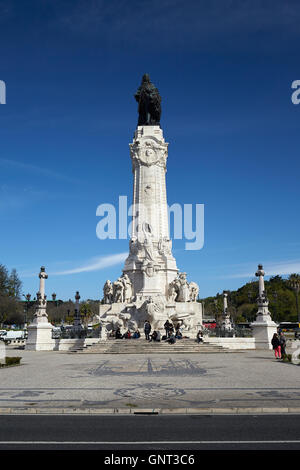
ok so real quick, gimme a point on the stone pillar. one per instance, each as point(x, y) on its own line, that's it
point(225, 303)
point(226, 322)
point(40, 330)
point(263, 327)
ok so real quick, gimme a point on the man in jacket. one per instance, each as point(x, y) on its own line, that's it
point(147, 329)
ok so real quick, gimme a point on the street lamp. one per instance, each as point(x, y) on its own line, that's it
point(55, 301)
point(27, 297)
point(84, 314)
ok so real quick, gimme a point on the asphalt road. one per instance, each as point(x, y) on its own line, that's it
point(139, 432)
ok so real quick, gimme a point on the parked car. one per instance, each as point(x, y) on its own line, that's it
point(14, 335)
point(297, 333)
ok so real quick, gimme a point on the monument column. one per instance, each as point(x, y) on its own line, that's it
point(40, 330)
point(157, 290)
point(263, 327)
point(150, 264)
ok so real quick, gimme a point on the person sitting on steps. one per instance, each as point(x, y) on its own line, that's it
point(199, 337)
point(118, 334)
point(127, 335)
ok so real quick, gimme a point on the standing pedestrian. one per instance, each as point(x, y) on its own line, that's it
point(167, 327)
point(282, 342)
point(147, 329)
point(276, 346)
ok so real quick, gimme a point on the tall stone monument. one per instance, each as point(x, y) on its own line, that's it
point(151, 286)
point(263, 327)
point(40, 330)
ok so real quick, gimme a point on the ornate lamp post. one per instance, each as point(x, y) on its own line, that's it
point(27, 297)
point(84, 314)
point(55, 301)
point(77, 319)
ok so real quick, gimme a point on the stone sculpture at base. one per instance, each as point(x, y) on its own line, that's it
point(151, 286)
point(40, 330)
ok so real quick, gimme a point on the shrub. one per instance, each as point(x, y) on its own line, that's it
point(10, 361)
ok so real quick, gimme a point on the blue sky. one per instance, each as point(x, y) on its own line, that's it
point(224, 70)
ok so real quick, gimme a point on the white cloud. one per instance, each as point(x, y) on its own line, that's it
point(271, 269)
point(17, 165)
point(95, 264)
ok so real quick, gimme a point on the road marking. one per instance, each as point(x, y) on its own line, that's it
point(142, 442)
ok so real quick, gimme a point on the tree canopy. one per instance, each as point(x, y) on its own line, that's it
point(10, 296)
point(242, 305)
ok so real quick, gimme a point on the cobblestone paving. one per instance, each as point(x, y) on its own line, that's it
point(55, 379)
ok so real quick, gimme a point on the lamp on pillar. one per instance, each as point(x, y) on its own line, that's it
point(27, 297)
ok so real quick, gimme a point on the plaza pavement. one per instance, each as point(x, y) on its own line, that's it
point(60, 382)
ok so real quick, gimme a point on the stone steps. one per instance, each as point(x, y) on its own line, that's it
point(141, 346)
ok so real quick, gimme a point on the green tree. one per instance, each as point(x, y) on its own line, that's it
point(282, 293)
point(10, 293)
point(3, 280)
point(14, 285)
point(294, 281)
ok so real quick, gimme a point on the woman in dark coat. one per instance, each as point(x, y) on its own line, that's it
point(276, 346)
point(282, 342)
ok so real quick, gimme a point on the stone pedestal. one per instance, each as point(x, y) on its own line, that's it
point(263, 333)
point(40, 336)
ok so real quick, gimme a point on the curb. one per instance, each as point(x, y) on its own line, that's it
point(146, 411)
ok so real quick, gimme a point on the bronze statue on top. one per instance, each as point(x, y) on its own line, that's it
point(149, 101)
